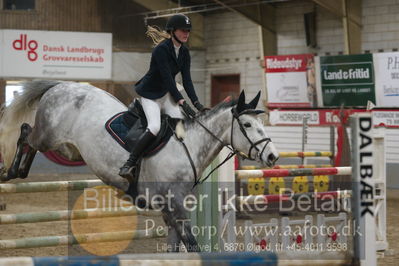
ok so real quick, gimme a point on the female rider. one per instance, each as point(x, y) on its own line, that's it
point(158, 89)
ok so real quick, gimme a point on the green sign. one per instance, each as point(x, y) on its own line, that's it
point(347, 80)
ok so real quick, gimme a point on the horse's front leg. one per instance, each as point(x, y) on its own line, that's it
point(184, 229)
point(173, 240)
point(180, 228)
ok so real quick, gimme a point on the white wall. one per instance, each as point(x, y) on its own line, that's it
point(380, 25)
point(130, 67)
point(198, 66)
point(290, 25)
point(380, 28)
point(232, 47)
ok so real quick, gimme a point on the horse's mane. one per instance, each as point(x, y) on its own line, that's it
point(209, 113)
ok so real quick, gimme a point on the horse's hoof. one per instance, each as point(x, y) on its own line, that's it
point(4, 178)
point(3, 171)
point(22, 175)
point(10, 175)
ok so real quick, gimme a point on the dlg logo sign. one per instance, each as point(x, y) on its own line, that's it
point(24, 45)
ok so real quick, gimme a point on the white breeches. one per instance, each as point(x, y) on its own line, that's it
point(153, 109)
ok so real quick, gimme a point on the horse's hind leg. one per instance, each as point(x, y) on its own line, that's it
point(12, 173)
point(27, 163)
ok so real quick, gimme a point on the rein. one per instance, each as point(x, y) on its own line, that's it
point(233, 150)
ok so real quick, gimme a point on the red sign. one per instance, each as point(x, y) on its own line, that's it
point(316, 117)
point(287, 63)
point(24, 44)
point(290, 81)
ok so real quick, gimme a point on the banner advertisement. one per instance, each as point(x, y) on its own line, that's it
point(347, 80)
point(56, 54)
point(388, 118)
point(318, 117)
point(290, 81)
point(386, 67)
point(288, 117)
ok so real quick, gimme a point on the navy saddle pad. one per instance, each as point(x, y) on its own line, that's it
point(119, 125)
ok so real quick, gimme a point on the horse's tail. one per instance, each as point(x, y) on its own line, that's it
point(21, 110)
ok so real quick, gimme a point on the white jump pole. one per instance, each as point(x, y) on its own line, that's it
point(380, 189)
point(363, 175)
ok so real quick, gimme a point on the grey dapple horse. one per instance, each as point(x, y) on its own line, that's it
point(69, 118)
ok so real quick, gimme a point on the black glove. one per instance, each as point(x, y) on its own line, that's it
point(187, 110)
point(199, 106)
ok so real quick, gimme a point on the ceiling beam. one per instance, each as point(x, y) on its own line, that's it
point(263, 15)
point(337, 8)
point(267, 16)
point(349, 11)
point(251, 12)
point(197, 33)
point(352, 26)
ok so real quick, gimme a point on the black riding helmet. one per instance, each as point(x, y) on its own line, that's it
point(178, 21)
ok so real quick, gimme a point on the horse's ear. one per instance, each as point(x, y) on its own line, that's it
point(241, 102)
point(254, 101)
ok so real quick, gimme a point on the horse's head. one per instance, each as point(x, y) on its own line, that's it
point(248, 134)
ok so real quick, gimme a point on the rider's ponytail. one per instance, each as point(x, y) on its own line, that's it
point(157, 35)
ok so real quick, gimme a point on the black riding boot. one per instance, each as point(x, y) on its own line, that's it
point(145, 139)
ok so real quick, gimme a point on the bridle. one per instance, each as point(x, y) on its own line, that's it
point(236, 116)
point(233, 150)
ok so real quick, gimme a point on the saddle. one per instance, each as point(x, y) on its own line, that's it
point(127, 127)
